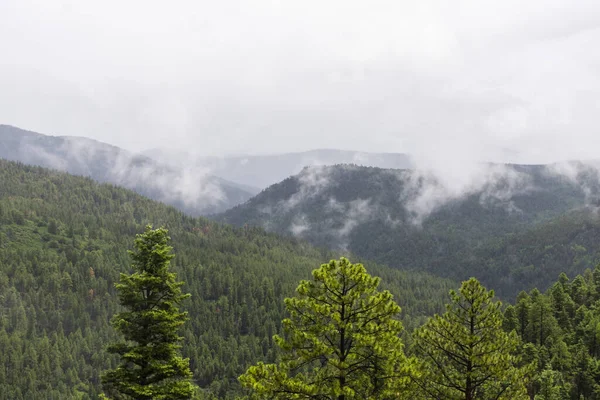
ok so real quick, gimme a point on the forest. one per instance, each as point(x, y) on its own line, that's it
point(64, 242)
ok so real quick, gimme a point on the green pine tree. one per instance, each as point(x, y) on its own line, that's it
point(151, 366)
point(465, 353)
point(341, 341)
point(551, 386)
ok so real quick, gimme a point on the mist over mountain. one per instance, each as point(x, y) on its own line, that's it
point(414, 220)
point(264, 170)
point(193, 190)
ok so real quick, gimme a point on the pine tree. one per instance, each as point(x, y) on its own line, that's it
point(551, 385)
point(151, 366)
point(465, 354)
point(341, 341)
point(522, 312)
point(542, 323)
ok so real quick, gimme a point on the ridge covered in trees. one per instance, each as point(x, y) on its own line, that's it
point(190, 190)
point(525, 220)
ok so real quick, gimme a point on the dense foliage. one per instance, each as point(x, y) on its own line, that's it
point(341, 341)
point(465, 354)
point(63, 243)
point(561, 329)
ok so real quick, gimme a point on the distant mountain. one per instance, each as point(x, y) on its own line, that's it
point(412, 220)
point(264, 170)
point(189, 189)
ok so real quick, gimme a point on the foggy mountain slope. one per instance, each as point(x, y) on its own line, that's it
point(192, 190)
point(408, 219)
point(264, 170)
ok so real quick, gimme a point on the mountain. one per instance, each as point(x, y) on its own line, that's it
point(63, 243)
point(415, 221)
point(189, 189)
point(264, 170)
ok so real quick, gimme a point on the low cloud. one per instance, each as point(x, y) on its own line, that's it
point(583, 174)
point(312, 180)
point(299, 225)
point(191, 188)
point(427, 190)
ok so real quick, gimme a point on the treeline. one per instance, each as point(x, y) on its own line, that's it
point(63, 243)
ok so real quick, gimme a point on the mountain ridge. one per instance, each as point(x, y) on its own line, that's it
point(264, 170)
point(411, 220)
point(193, 191)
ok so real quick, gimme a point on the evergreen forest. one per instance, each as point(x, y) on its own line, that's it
point(259, 315)
point(520, 230)
point(63, 244)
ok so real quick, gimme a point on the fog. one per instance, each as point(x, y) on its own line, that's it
point(451, 83)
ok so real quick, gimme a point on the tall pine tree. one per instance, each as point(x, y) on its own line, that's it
point(466, 355)
point(151, 366)
point(341, 341)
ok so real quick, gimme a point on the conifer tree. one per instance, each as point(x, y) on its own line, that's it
point(465, 352)
point(542, 323)
point(341, 341)
point(151, 366)
point(551, 386)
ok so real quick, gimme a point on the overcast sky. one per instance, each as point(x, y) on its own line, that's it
point(433, 78)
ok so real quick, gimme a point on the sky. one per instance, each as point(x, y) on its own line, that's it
point(491, 80)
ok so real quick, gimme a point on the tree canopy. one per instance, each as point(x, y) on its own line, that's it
point(341, 341)
point(465, 354)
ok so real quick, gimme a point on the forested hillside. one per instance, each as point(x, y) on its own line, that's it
point(192, 190)
point(63, 242)
point(517, 222)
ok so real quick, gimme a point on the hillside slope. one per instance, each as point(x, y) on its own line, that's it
point(413, 221)
point(63, 242)
point(191, 190)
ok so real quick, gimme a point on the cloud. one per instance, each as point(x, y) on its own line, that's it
point(585, 175)
point(356, 212)
point(39, 154)
point(472, 79)
point(340, 219)
point(299, 225)
point(311, 181)
point(192, 188)
point(427, 190)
